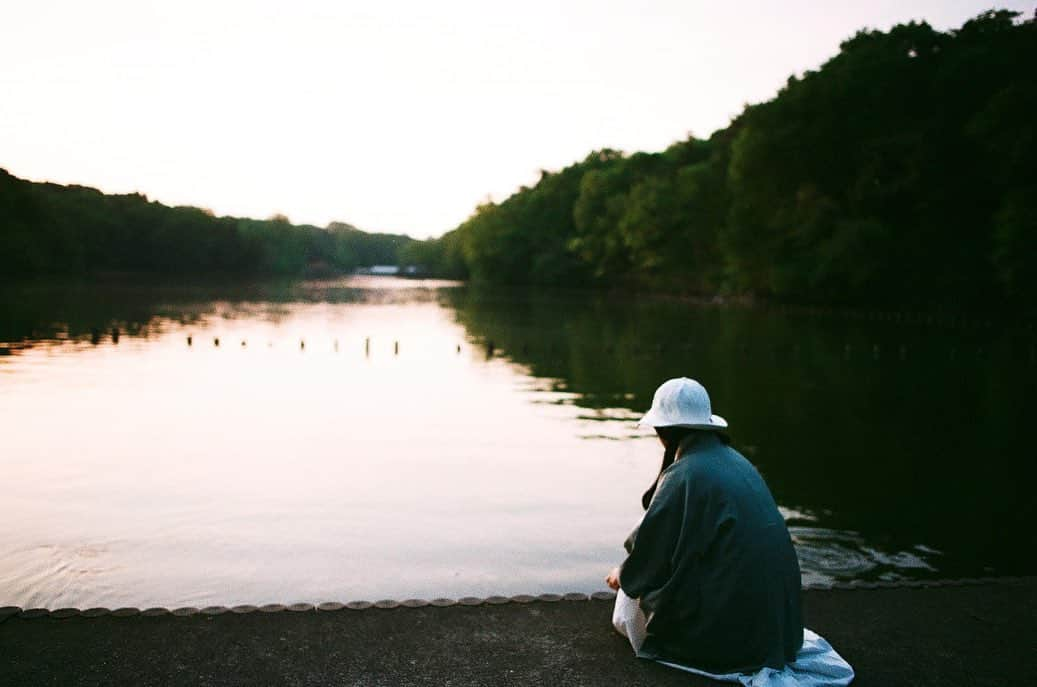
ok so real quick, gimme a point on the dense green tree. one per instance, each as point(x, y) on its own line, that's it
point(903, 170)
point(49, 229)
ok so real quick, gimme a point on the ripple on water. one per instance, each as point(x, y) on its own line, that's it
point(828, 555)
point(59, 574)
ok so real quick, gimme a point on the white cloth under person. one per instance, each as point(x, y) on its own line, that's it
point(817, 664)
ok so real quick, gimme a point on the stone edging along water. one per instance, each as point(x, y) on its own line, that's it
point(61, 613)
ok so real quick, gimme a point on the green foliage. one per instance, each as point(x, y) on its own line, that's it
point(47, 229)
point(902, 170)
point(524, 240)
point(1016, 243)
point(441, 257)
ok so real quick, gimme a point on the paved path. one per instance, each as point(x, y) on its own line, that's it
point(944, 636)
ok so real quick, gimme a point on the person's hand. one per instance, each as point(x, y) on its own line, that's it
point(613, 579)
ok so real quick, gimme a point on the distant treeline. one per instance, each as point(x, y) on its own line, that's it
point(905, 169)
point(49, 229)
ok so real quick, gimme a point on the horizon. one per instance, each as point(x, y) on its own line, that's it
point(191, 107)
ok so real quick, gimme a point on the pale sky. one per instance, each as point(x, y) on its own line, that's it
point(396, 115)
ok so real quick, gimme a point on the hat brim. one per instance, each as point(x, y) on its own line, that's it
point(650, 420)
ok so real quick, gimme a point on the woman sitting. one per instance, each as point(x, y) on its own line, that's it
point(711, 582)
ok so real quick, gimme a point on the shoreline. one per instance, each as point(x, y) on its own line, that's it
point(920, 313)
point(981, 633)
point(62, 613)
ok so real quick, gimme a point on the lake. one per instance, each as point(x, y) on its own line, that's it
point(368, 438)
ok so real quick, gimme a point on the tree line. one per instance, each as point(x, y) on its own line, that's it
point(903, 170)
point(50, 229)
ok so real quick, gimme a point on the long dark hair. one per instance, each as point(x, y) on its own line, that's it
point(672, 438)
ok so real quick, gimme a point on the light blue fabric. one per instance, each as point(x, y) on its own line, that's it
point(817, 665)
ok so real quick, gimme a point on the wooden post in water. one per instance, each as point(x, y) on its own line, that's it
point(189, 340)
point(395, 347)
point(115, 335)
point(367, 347)
point(216, 341)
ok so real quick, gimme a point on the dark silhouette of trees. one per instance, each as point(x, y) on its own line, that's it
point(904, 169)
point(49, 229)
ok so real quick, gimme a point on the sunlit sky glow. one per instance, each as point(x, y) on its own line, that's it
point(396, 115)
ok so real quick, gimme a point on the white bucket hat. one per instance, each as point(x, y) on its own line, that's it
point(682, 402)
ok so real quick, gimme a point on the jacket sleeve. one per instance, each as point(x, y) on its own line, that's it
point(631, 538)
point(650, 562)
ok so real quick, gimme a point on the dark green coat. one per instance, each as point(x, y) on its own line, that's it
point(713, 562)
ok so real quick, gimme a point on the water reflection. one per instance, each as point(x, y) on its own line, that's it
point(827, 554)
point(909, 432)
point(355, 439)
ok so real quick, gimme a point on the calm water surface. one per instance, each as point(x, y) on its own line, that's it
point(378, 438)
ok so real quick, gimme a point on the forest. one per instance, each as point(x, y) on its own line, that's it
point(903, 170)
point(54, 230)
